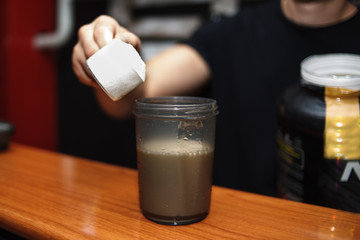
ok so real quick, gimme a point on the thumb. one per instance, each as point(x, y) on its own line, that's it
point(108, 36)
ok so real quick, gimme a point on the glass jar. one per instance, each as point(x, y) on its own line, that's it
point(175, 147)
point(318, 136)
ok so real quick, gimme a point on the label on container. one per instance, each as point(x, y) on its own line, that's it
point(339, 184)
point(342, 124)
point(319, 150)
point(339, 180)
point(291, 169)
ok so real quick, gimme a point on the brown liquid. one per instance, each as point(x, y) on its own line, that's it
point(175, 181)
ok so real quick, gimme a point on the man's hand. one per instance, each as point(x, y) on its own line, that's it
point(92, 37)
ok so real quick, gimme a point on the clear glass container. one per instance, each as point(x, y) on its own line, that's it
point(175, 147)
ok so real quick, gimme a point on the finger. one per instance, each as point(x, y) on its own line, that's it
point(79, 67)
point(103, 33)
point(130, 38)
point(86, 40)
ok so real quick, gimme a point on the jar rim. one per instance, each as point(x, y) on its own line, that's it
point(176, 107)
point(333, 70)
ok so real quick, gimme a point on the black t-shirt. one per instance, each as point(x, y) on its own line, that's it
point(254, 57)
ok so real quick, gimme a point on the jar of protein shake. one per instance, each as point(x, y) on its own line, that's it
point(319, 134)
point(175, 139)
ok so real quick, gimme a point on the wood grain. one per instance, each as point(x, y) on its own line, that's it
point(46, 195)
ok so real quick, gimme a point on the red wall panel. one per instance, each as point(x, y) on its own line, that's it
point(28, 84)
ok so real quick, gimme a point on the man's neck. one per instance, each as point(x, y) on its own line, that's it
point(317, 13)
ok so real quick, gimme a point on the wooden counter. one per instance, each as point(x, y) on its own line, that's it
point(46, 195)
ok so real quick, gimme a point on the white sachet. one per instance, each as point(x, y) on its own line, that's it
point(118, 68)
